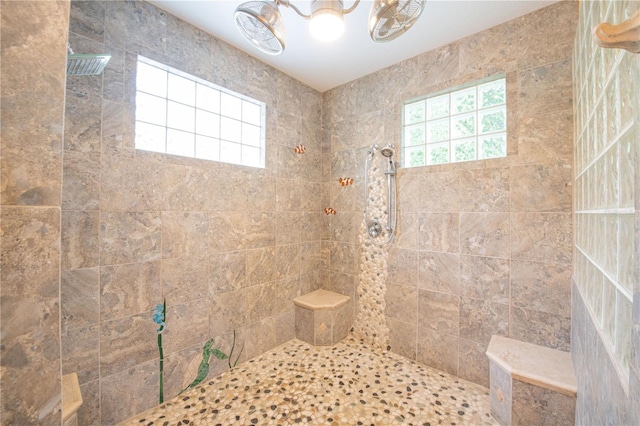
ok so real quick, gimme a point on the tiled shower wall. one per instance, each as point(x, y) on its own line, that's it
point(483, 247)
point(227, 246)
point(606, 306)
point(34, 37)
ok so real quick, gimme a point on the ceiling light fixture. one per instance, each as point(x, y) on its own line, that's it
point(261, 24)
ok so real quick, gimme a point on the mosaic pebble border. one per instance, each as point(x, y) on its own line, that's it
point(347, 384)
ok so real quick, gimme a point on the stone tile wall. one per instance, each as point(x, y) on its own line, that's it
point(482, 247)
point(229, 247)
point(605, 320)
point(32, 108)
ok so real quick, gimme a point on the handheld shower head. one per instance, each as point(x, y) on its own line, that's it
point(387, 150)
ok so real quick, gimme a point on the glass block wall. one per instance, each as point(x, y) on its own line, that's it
point(606, 83)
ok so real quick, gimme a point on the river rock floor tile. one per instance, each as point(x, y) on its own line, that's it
point(347, 384)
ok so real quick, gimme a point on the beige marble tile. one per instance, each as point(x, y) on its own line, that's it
point(402, 338)
point(481, 319)
point(473, 362)
point(540, 328)
point(533, 404)
point(439, 312)
point(341, 283)
point(228, 311)
point(485, 234)
point(129, 289)
point(439, 232)
point(409, 188)
point(128, 237)
point(285, 290)
point(323, 327)
point(130, 184)
point(89, 412)
point(80, 239)
point(227, 271)
point(485, 278)
point(542, 237)
point(476, 57)
point(439, 192)
point(342, 321)
point(546, 138)
point(187, 188)
point(285, 323)
point(546, 89)
point(187, 325)
point(261, 301)
point(287, 261)
point(314, 226)
point(142, 382)
point(484, 190)
point(82, 120)
point(80, 352)
point(343, 258)
point(401, 303)
point(304, 324)
point(240, 230)
point(80, 181)
point(288, 227)
point(80, 297)
point(402, 267)
point(311, 257)
point(30, 251)
point(185, 279)
point(184, 234)
point(288, 195)
point(544, 287)
point(261, 265)
point(344, 226)
point(439, 272)
point(438, 350)
point(541, 188)
point(261, 191)
point(126, 342)
point(260, 337)
point(407, 235)
point(531, 50)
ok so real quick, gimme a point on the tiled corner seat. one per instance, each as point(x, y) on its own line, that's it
point(530, 384)
point(323, 318)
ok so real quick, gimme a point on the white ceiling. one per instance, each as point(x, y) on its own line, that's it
point(324, 66)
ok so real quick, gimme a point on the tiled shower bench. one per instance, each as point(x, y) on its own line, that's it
point(323, 318)
point(530, 384)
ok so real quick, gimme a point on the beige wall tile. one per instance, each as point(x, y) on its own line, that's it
point(439, 312)
point(541, 188)
point(484, 190)
point(439, 272)
point(485, 234)
point(438, 350)
point(80, 239)
point(439, 232)
point(80, 297)
point(129, 289)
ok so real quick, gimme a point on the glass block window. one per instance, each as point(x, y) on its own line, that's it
point(464, 124)
point(180, 114)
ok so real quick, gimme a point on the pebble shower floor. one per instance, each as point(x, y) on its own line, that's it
point(347, 384)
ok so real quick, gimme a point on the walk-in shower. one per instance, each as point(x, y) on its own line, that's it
point(375, 212)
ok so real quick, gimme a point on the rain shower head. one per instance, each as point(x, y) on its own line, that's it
point(387, 150)
point(78, 64)
point(83, 64)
